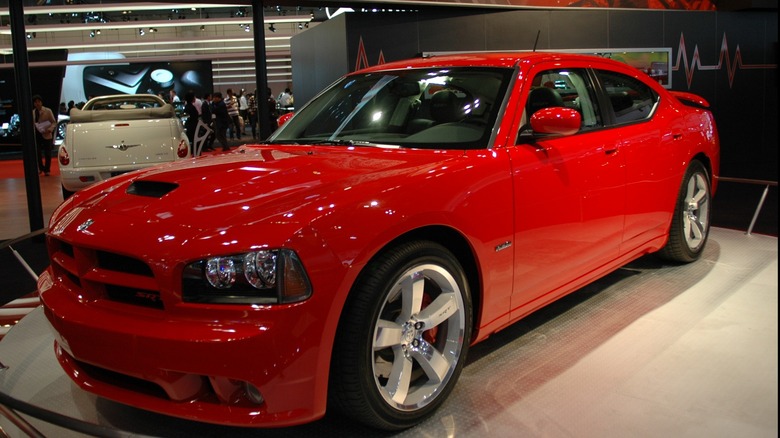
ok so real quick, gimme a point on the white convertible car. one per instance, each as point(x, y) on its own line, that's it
point(116, 134)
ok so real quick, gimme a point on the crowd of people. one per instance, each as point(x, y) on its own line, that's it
point(228, 116)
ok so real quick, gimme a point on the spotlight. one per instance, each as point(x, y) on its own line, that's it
point(202, 27)
point(271, 27)
point(247, 28)
point(300, 25)
point(97, 32)
point(92, 34)
point(29, 36)
point(152, 30)
point(141, 32)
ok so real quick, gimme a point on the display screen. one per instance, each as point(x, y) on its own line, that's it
point(151, 78)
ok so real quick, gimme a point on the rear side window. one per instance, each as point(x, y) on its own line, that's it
point(632, 100)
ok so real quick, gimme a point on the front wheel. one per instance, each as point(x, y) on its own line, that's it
point(691, 220)
point(403, 337)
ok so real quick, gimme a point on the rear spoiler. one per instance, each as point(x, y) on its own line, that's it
point(691, 99)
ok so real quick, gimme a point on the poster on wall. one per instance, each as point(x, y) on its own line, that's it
point(82, 82)
point(656, 62)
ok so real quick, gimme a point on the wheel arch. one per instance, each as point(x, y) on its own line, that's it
point(458, 245)
point(707, 162)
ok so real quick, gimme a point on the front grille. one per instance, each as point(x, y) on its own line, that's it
point(104, 275)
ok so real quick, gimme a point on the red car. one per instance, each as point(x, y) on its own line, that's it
point(407, 212)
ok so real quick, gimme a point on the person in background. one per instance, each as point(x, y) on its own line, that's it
point(207, 115)
point(192, 118)
point(285, 99)
point(45, 124)
point(173, 97)
point(273, 113)
point(243, 110)
point(252, 113)
point(63, 108)
point(221, 120)
point(232, 108)
point(71, 105)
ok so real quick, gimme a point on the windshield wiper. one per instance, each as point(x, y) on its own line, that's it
point(325, 142)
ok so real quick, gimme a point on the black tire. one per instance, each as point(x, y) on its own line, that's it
point(66, 193)
point(62, 129)
point(690, 226)
point(380, 334)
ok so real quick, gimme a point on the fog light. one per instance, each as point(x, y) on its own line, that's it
point(253, 394)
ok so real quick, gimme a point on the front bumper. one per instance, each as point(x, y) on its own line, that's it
point(258, 367)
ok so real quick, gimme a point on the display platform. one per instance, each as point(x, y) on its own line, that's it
point(651, 350)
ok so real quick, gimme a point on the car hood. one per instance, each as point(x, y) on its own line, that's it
point(289, 184)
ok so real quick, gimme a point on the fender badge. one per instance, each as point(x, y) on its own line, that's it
point(85, 225)
point(503, 246)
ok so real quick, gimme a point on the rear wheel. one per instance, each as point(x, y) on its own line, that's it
point(403, 337)
point(691, 221)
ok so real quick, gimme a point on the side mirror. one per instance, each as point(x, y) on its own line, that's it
point(281, 120)
point(556, 120)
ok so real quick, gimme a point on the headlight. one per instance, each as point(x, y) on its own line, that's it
point(257, 277)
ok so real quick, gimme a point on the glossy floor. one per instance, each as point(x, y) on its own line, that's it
point(652, 350)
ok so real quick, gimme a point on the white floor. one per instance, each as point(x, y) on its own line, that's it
point(653, 350)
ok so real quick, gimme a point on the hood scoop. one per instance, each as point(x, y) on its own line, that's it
point(152, 189)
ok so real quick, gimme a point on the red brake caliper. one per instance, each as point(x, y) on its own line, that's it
point(429, 335)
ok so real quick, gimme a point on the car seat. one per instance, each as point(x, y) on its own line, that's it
point(542, 98)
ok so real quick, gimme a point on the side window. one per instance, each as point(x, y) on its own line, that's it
point(631, 99)
point(569, 88)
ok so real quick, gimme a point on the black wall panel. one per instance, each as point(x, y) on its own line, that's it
point(321, 57)
point(579, 29)
point(517, 30)
point(636, 29)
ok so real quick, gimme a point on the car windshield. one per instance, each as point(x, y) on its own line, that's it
point(453, 108)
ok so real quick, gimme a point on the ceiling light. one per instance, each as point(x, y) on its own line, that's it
point(5, 30)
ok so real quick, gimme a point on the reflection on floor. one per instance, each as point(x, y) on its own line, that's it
point(652, 350)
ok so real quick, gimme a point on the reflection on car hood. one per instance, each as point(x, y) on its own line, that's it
point(262, 183)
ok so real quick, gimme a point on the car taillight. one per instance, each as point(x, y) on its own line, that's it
point(63, 157)
point(184, 149)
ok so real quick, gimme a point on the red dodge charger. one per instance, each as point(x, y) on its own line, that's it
point(407, 212)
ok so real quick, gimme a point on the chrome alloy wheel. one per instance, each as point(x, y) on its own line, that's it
point(418, 337)
point(696, 212)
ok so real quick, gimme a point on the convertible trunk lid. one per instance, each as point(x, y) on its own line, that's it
point(118, 143)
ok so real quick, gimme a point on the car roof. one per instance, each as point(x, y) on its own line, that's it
point(490, 59)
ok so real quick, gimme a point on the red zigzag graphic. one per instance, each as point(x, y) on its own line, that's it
point(362, 59)
point(724, 58)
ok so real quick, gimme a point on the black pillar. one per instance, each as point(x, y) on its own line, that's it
point(261, 75)
point(25, 108)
